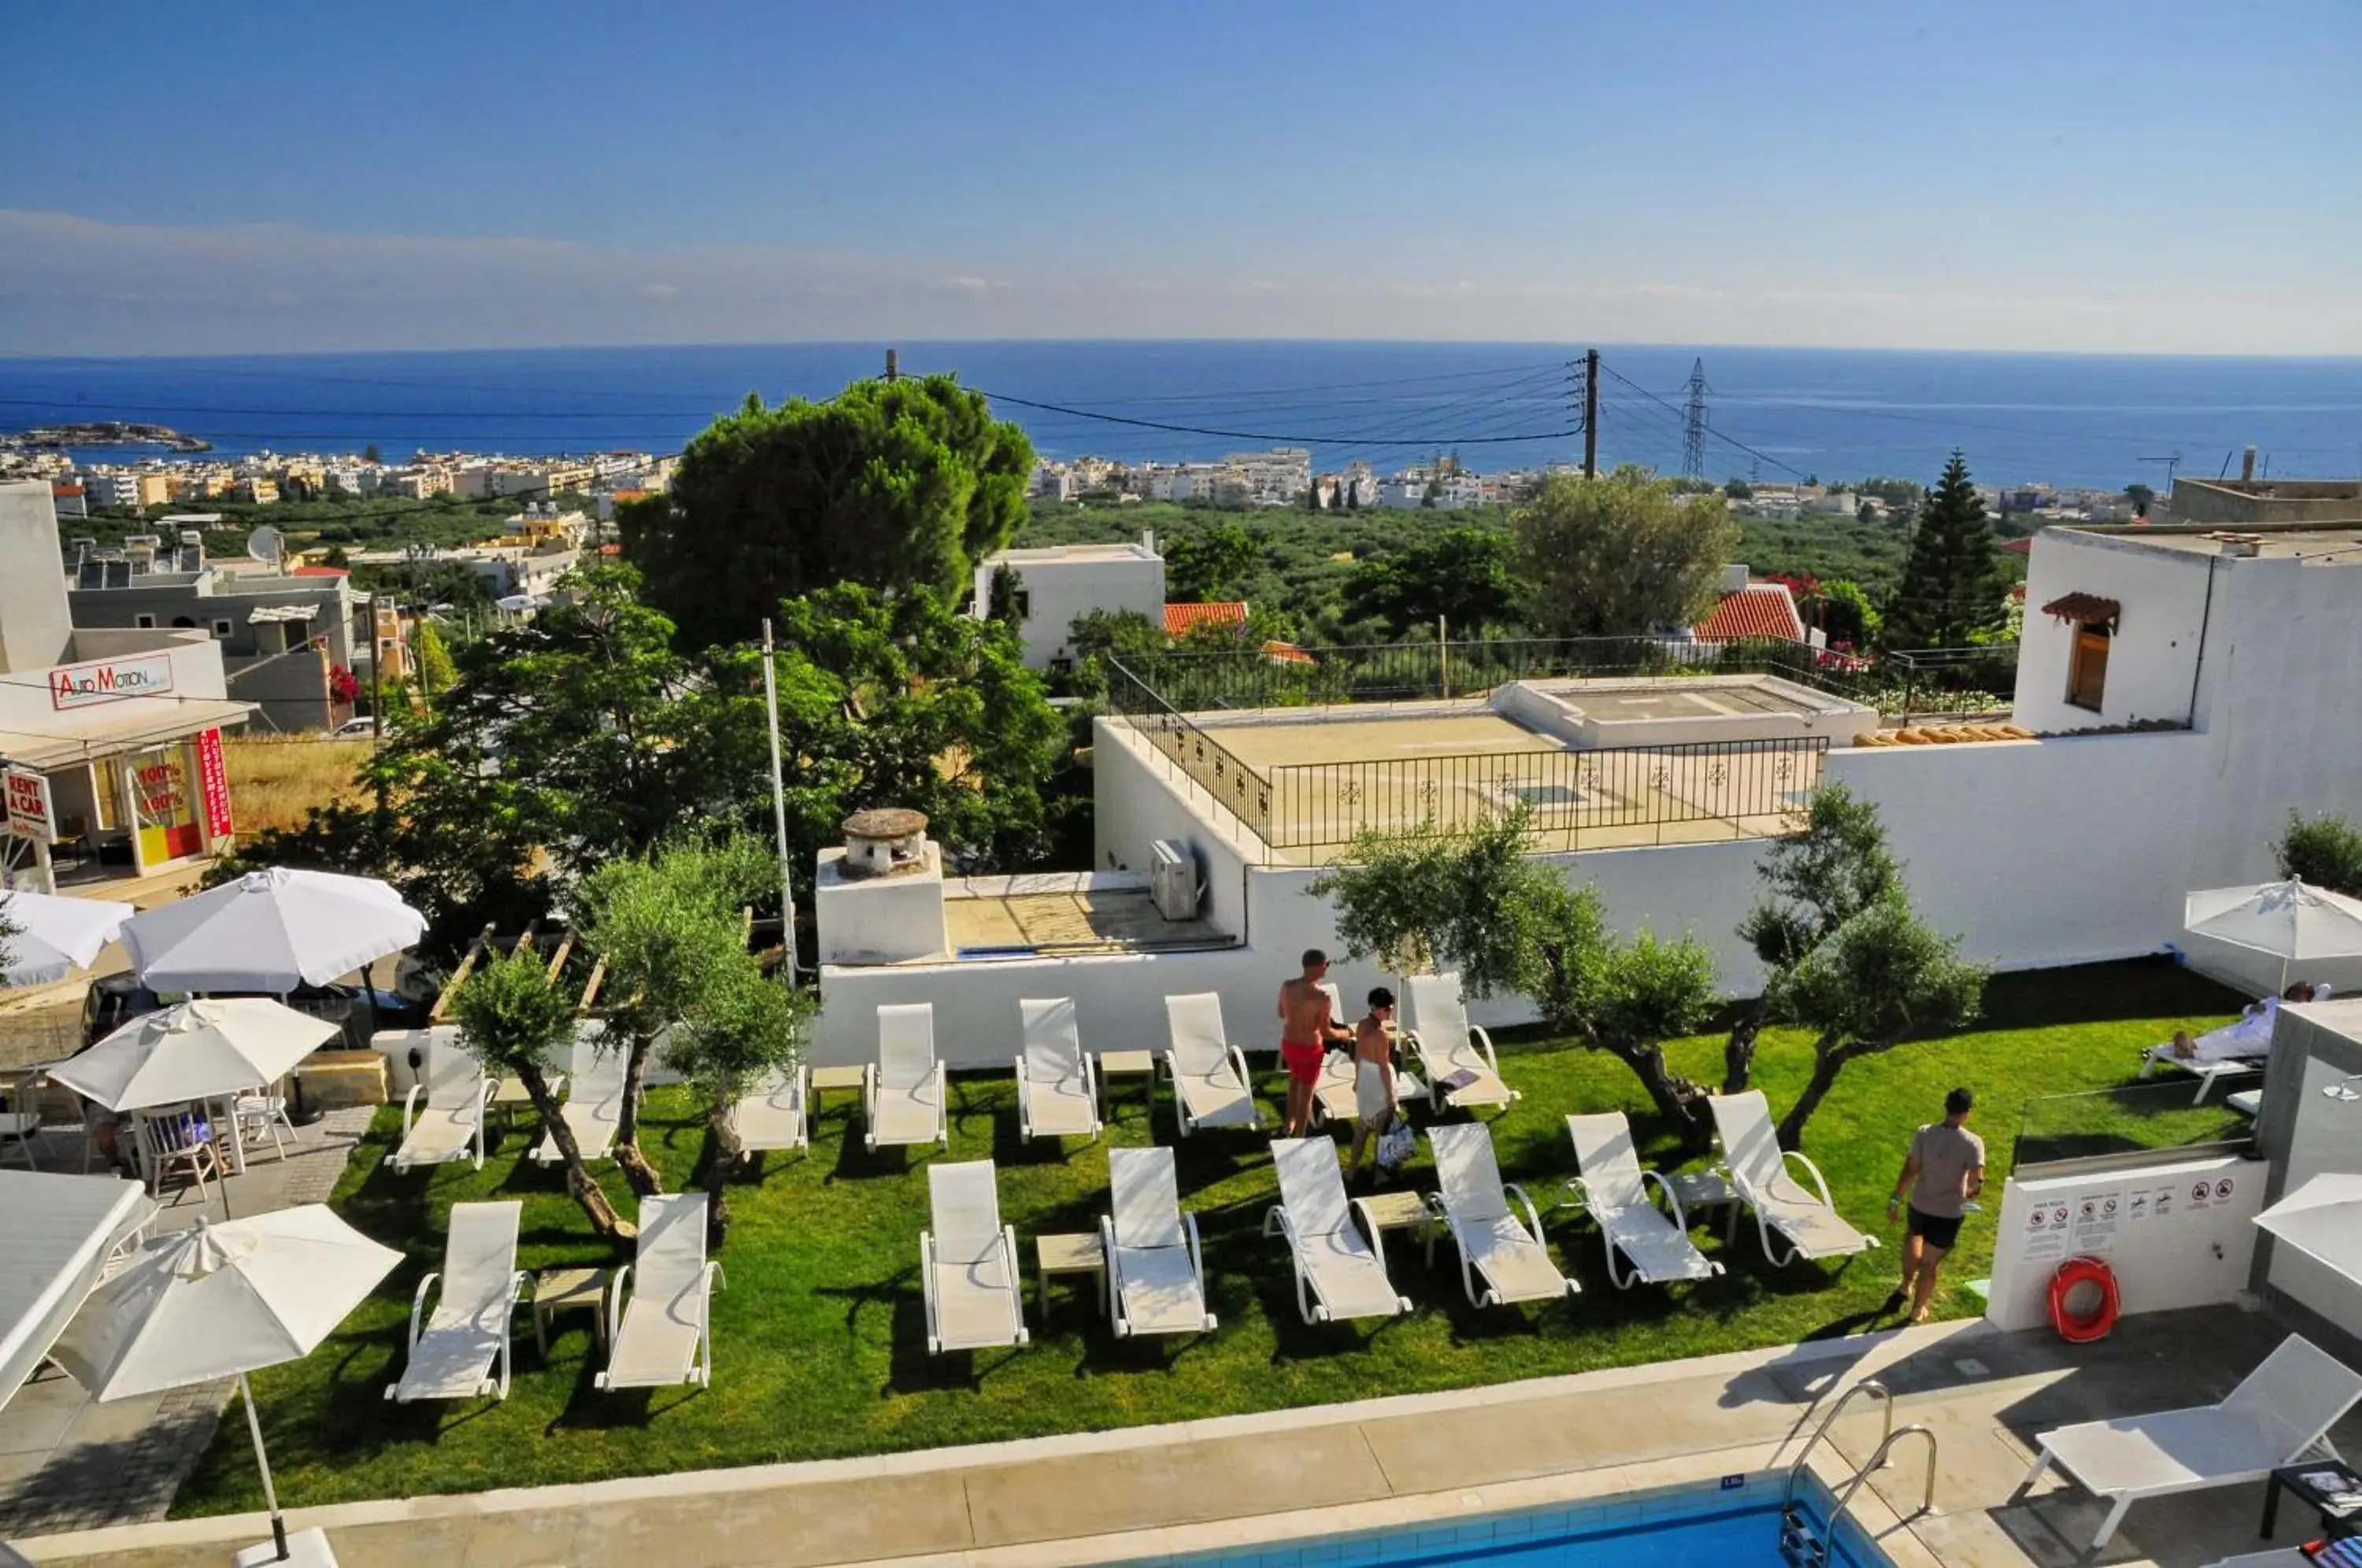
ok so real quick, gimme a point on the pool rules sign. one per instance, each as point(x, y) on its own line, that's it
point(31, 813)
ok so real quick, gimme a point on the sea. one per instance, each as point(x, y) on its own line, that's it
point(1771, 415)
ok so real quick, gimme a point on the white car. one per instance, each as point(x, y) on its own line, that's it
point(362, 726)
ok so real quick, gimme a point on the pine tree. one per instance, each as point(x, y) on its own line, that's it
point(1953, 585)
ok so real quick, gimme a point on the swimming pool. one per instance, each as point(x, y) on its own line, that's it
point(1734, 1523)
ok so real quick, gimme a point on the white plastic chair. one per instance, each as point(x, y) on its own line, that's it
point(1508, 1255)
point(454, 1351)
point(1339, 1273)
point(967, 1263)
point(443, 1116)
point(2279, 1415)
point(261, 1112)
point(1156, 1270)
point(664, 1332)
point(597, 1075)
point(1615, 1189)
point(1057, 1096)
point(1806, 1219)
point(902, 1091)
point(1449, 1046)
point(1209, 1074)
point(175, 1138)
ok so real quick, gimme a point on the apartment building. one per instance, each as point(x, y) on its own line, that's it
point(1055, 586)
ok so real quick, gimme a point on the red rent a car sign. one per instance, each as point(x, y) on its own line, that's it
point(110, 680)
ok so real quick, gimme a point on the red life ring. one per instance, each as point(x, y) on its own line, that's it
point(2082, 1328)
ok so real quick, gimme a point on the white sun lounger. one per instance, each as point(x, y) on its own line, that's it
point(1339, 1273)
point(902, 1091)
point(774, 1113)
point(593, 1110)
point(1496, 1246)
point(1209, 1074)
point(664, 1333)
point(1615, 1189)
point(1449, 1046)
point(1806, 1219)
point(967, 1263)
point(1156, 1271)
point(2279, 1414)
point(443, 1117)
point(1056, 1096)
point(1335, 1096)
point(453, 1354)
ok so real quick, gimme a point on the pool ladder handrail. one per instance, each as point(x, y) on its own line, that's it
point(1877, 1461)
point(1868, 1387)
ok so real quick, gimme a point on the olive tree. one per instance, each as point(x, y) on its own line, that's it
point(1473, 901)
point(743, 1027)
point(512, 1015)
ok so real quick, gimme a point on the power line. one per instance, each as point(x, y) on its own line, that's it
point(1291, 440)
point(1679, 414)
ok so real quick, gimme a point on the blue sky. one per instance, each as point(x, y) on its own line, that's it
point(2161, 176)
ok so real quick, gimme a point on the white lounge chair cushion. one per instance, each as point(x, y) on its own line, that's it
point(1811, 1227)
point(907, 1116)
point(1060, 1109)
point(1337, 1087)
point(2171, 1451)
point(1651, 1244)
point(909, 1106)
point(772, 1117)
point(1517, 1267)
point(437, 1135)
point(463, 1335)
point(1199, 1058)
point(593, 1110)
point(974, 1283)
point(1160, 1292)
point(1157, 1280)
point(1347, 1276)
point(1751, 1147)
point(1057, 1095)
point(656, 1345)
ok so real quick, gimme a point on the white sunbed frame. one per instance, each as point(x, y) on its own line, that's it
point(1146, 1176)
point(475, 1317)
point(1298, 1161)
point(1196, 1039)
point(1336, 1093)
point(1054, 1060)
point(1613, 1186)
point(2299, 1377)
point(1464, 1159)
point(974, 1184)
point(906, 1035)
point(669, 1223)
point(774, 1114)
point(1743, 1124)
point(1442, 1014)
point(451, 1098)
point(596, 1072)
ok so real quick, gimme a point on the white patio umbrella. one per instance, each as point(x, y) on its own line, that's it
point(197, 1050)
point(2294, 924)
point(2322, 1220)
point(270, 931)
point(221, 1301)
point(56, 937)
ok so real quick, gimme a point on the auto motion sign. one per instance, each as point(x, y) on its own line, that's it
point(110, 680)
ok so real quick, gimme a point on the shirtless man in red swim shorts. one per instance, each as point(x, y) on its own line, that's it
point(1306, 1029)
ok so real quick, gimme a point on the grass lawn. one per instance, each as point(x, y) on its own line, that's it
point(818, 1338)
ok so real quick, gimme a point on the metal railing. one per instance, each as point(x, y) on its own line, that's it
point(1206, 761)
point(1610, 798)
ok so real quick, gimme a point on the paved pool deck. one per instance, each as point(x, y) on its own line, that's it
point(1153, 1494)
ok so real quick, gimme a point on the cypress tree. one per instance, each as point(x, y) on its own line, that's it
point(1952, 584)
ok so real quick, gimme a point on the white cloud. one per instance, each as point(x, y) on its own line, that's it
point(72, 285)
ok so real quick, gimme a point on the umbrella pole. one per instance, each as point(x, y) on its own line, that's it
point(263, 1462)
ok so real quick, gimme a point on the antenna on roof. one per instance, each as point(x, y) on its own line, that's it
point(265, 545)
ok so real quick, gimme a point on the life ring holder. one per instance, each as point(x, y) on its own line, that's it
point(2083, 1327)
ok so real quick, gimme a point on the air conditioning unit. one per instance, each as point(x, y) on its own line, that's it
point(1172, 884)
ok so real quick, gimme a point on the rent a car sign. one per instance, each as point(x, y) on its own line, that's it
point(110, 680)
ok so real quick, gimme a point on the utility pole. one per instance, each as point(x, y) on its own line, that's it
point(1591, 414)
point(1694, 425)
point(893, 365)
point(780, 801)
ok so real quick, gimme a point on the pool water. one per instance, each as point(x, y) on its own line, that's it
point(1735, 1524)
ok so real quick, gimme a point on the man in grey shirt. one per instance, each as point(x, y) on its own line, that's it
point(1941, 1176)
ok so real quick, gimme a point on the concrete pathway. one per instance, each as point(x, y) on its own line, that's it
point(1153, 1494)
point(67, 1463)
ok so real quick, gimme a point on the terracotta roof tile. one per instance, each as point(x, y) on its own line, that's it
point(1180, 618)
point(1759, 609)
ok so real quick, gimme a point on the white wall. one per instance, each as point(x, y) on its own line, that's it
point(1057, 591)
point(2153, 654)
point(1139, 796)
point(2168, 1248)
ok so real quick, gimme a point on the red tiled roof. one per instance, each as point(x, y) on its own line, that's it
point(1285, 653)
point(2088, 609)
point(1180, 618)
point(321, 571)
point(1759, 609)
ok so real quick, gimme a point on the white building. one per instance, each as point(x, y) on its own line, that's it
point(110, 489)
point(1055, 585)
point(2073, 847)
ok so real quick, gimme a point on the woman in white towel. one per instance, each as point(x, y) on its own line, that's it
point(1373, 1076)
